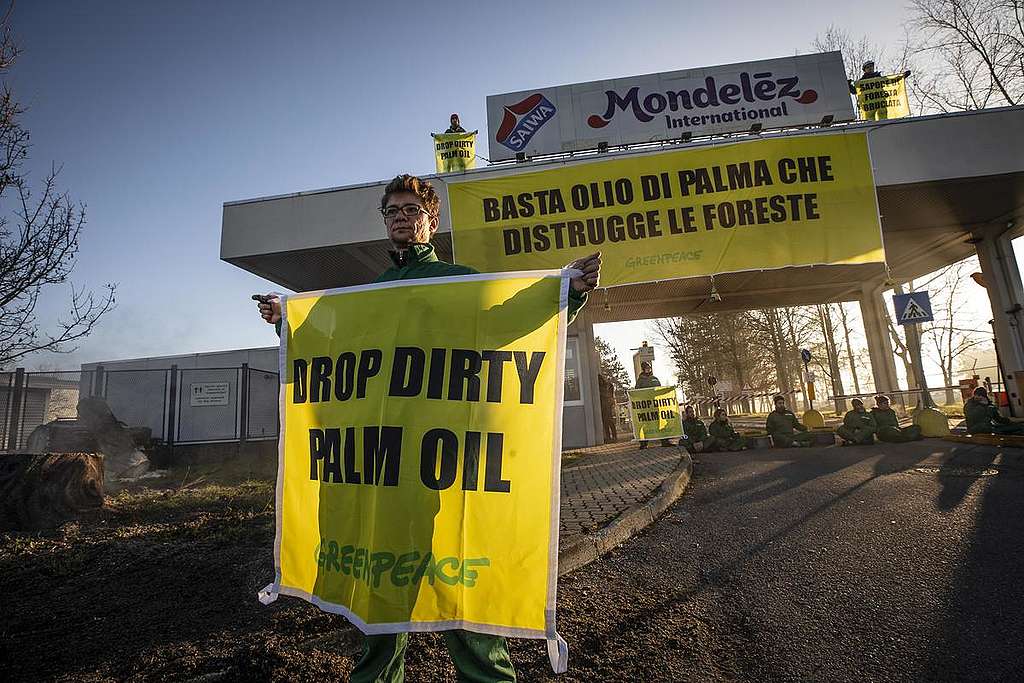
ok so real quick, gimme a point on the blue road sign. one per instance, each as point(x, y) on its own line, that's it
point(806, 355)
point(914, 307)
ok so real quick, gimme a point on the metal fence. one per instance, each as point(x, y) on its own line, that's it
point(178, 405)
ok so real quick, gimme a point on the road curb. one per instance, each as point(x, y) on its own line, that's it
point(584, 549)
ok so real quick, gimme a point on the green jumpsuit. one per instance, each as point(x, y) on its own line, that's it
point(785, 430)
point(696, 433)
point(858, 428)
point(889, 429)
point(725, 438)
point(477, 657)
point(985, 418)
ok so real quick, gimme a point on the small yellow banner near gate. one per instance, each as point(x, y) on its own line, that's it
point(418, 482)
point(454, 151)
point(745, 206)
point(655, 413)
point(882, 98)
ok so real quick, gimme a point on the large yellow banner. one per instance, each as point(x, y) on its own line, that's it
point(743, 206)
point(418, 485)
point(882, 98)
point(454, 151)
point(655, 413)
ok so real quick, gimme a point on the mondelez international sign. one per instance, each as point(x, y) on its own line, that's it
point(790, 91)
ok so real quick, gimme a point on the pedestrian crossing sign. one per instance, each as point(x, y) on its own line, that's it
point(914, 307)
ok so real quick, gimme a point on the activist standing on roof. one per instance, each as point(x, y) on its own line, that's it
point(410, 208)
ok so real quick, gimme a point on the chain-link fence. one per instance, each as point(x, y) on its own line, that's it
point(177, 405)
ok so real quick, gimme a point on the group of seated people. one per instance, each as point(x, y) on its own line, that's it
point(860, 426)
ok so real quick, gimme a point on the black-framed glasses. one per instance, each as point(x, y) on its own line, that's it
point(408, 210)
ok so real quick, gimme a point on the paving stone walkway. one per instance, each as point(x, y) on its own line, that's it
point(598, 483)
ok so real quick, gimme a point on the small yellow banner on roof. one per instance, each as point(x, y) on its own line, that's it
point(882, 98)
point(454, 151)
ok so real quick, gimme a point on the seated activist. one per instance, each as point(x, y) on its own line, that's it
point(858, 428)
point(410, 208)
point(694, 431)
point(888, 424)
point(723, 436)
point(786, 431)
point(646, 380)
point(984, 418)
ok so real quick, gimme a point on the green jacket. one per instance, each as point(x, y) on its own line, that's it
point(420, 261)
point(783, 424)
point(647, 381)
point(856, 420)
point(695, 430)
point(981, 416)
point(722, 430)
point(884, 417)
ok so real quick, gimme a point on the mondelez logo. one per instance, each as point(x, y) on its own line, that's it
point(754, 89)
point(522, 120)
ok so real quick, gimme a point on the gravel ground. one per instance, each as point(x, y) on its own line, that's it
point(839, 564)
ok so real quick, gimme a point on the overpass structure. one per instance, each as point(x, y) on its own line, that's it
point(948, 186)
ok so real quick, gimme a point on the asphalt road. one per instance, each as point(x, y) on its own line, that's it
point(883, 563)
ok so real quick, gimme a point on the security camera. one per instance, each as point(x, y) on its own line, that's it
point(715, 296)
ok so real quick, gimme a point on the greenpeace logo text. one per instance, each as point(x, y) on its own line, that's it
point(756, 88)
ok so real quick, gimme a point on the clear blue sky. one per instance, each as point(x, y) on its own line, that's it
point(161, 111)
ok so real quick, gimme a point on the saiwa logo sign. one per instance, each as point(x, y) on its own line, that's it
point(522, 120)
point(753, 89)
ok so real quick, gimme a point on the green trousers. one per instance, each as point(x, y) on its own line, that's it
point(863, 436)
point(791, 440)
point(477, 657)
point(997, 428)
point(899, 435)
point(715, 443)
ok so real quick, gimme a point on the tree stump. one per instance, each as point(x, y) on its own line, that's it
point(39, 491)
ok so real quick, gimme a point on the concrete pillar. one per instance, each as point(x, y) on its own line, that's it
point(876, 329)
point(1006, 295)
point(590, 365)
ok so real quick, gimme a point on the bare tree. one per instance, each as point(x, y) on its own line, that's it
point(952, 333)
point(855, 51)
point(39, 234)
point(844, 316)
point(971, 50)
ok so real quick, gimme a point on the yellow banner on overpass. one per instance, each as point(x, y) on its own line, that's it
point(418, 484)
point(772, 203)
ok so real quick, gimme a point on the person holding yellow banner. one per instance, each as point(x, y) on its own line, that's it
point(410, 209)
point(880, 97)
point(646, 380)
